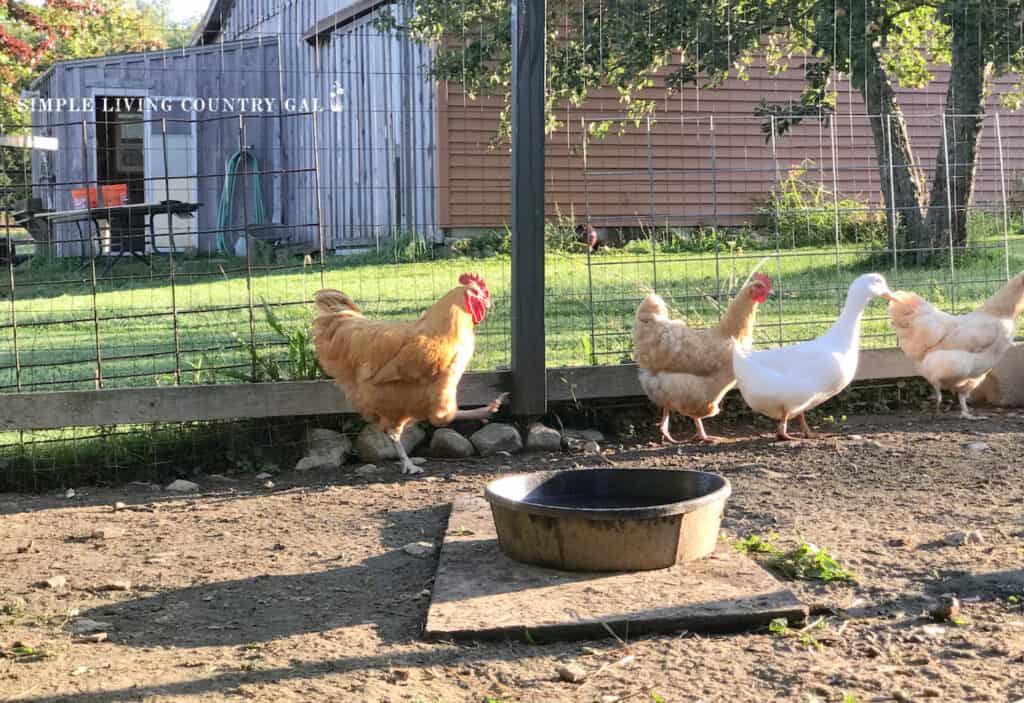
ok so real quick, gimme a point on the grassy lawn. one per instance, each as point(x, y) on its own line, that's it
point(589, 308)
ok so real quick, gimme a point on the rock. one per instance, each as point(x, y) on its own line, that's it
point(56, 582)
point(901, 696)
point(571, 673)
point(118, 505)
point(181, 486)
point(268, 484)
point(369, 470)
point(119, 585)
point(449, 444)
point(419, 549)
point(960, 539)
point(93, 638)
point(948, 608)
point(108, 533)
point(930, 692)
point(584, 435)
point(262, 476)
point(590, 447)
point(496, 437)
point(977, 447)
point(540, 438)
point(325, 449)
point(374, 447)
point(901, 542)
point(69, 493)
point(85, 626)
point(418, 461)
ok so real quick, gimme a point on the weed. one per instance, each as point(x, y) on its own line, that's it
point(807, 214)
point(498, 243)
point(755, 544)
point(805, 636)
point(806, 561)
point(803, 561)
point(302, 363)
point(779, 626)
point(656, 698)
point(26, 654)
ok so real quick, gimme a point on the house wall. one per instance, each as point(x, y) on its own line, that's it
point(233, 69)
point(682, 172)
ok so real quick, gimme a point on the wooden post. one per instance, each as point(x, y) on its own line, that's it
point(529, 390)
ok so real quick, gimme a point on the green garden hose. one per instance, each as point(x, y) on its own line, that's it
point(227, 196)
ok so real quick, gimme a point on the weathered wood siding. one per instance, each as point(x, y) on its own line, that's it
point(682, 171)
point(377, 151)
point(234, 69)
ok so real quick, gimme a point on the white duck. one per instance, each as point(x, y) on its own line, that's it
point(787, 382)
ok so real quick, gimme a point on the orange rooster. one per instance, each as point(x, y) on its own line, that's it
point(956, 352)
point(394, 373)
point(686, 370)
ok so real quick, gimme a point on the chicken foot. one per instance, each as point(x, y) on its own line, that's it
point(482, 413)
point(805, 428)
point(781, 432)
point(666, 415)
point(403, 459)
point(701, 437)
point(965, 412)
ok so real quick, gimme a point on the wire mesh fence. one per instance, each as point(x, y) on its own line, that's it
point(198, 197)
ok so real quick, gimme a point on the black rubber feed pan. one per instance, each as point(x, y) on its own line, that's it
point(608, 519)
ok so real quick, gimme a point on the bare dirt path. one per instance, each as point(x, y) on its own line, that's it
point(302, 592)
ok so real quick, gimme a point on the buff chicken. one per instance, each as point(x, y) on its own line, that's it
point(688, 370)
point(394, 373)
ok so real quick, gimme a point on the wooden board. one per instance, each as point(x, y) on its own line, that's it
point(191, 403)
point(481, 594)
point(35, 411)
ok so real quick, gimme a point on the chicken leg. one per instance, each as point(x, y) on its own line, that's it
point(482, 413)
point(701, 437)
point(805, 428)
point(781, 433)
point(965, 412)
point(666, 415)
point(938, 402)
point(403, 459)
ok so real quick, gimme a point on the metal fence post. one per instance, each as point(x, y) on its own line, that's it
point(529, 396)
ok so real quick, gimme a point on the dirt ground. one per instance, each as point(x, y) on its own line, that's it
point(302, 591)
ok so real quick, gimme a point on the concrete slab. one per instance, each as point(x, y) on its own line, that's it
point(479, 593)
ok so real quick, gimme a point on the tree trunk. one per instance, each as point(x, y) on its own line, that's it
point(964, 115)
point(900, 179)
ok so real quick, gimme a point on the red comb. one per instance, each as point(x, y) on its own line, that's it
point(761, 278)
point(467, 278)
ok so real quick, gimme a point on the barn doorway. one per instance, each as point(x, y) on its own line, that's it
point(120, 169)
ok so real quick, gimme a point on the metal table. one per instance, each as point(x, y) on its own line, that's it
point(121, 214)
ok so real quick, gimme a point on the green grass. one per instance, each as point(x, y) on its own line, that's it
point(586, 319)
point(589, 312)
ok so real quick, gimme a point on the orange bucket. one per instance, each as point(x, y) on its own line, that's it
point(114, 195)
point(82, 198)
